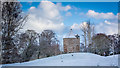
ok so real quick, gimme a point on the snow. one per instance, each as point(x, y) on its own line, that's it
point(72, 59)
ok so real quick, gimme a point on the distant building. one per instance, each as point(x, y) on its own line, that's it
point(71, 43)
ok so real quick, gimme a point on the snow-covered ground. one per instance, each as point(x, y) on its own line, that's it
point(72, 59)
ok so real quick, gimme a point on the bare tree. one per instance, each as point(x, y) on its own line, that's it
point(12, 22)
point(115, 43)
point(0, 32)
point(31, 41)
point(48, 43)
point(88, 31)
point(84, 30)
point(101, 44)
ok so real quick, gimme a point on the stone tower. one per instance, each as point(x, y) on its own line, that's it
point(71, 44)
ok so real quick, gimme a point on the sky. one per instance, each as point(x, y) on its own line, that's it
point(63, 16)
point(71, 0)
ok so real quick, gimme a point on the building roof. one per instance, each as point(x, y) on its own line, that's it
point(70, 34)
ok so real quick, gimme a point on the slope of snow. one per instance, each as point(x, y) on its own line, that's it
point(72, 59)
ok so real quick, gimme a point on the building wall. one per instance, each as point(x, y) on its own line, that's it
point(71, 45)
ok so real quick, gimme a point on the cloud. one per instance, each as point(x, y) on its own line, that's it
point(97, 15)
point(107, 22)
point(107, 27)
point(49, 9)
point(68, 14)
point(78, 26)
point(31, 8)
point(75, 26)
point(118, 14)
point(45, 16)
point(63, 8)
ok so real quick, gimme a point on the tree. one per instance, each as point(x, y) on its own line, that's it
point(30, 38)
point(100, 44)
point(48, 43)
point(115, 43)
point(88, 31)
point(12, 22)
point(0, 32)
point(84, 30)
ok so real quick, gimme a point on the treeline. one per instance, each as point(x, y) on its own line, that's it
point(33, 45)
point(99, 43)
point(21, 47)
